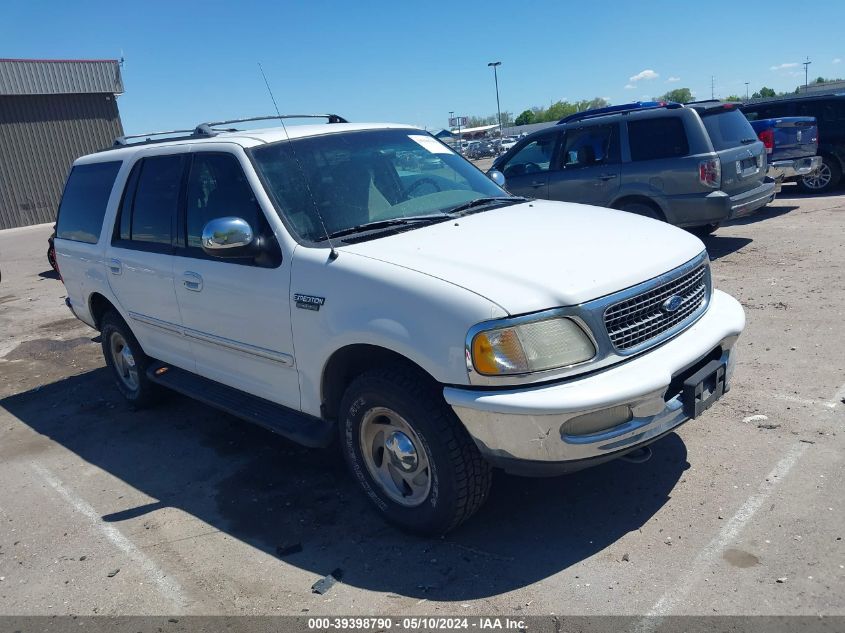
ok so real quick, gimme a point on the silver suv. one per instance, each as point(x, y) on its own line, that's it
point(693, 166)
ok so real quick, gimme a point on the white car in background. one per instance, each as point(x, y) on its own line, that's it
point(316, 281)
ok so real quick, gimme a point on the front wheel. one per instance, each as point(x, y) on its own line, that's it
point(824, 179)
point(410, 453)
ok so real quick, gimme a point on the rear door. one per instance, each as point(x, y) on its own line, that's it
point(139, 258)
point(527, 171)
point(742, 154)
point(587, 168)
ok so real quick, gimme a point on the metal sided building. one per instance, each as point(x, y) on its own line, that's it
point(51, 113)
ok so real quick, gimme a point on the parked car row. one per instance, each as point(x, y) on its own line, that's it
point(322, 281)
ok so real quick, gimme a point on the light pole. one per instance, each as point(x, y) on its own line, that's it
point(746, 90)
point(451, 118)
point(495, 66)
point(806, 64)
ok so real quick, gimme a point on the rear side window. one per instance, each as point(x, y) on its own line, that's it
point(728, 128)
point(148, 209)
point(83, 205)
point(587, 147)
point(657, 138)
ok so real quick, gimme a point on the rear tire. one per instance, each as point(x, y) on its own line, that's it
point(824, 180)
point(410, 453)
point(127, 362)
point(643, 209)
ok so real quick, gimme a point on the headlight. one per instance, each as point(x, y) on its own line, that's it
point(530, 347)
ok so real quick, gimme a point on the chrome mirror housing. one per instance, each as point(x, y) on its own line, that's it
point(227, 237)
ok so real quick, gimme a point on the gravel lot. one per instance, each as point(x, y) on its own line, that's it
point(185, 510)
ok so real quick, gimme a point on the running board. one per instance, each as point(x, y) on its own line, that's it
point(299, 427)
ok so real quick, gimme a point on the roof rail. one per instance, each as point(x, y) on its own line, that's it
point(120, 141)
point(619, 109)
point(209, 128)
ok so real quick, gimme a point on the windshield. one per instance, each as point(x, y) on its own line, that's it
point(728, 128)
point(357, 178)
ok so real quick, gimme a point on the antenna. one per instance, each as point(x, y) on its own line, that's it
point(332, 251)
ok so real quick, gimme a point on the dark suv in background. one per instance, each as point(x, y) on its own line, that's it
point(829, 111)
point(693, 166)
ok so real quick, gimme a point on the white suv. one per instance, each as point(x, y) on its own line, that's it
point(366, 283)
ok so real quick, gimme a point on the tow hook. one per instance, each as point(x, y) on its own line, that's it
point(638, 456)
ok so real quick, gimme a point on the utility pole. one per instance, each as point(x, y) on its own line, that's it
point(746, 90)
point(495, 66)
point(451, 118)
point(712, 87)
point(806, 64)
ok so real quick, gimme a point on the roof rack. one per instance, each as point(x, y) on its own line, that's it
point(210, 128)
point(619, 109)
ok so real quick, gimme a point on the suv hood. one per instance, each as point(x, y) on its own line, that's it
point(539, 254)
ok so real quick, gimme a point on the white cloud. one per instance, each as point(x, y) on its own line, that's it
point(836, 60)
point(629, 86)
point(645, 74)
point(784, 66)
point(672, 80)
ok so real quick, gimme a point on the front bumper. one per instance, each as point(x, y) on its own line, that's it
point(528, 430)
point(782, 169)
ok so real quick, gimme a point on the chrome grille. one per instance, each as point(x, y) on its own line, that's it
point(637, 320)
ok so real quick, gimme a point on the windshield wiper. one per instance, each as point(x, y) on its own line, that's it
point(381, 224)
point(746, 141)
point(483, 202)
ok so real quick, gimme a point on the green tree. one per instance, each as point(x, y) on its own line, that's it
point(767, 92)
point(525, 118)
point(678, 95)
point(733, 98)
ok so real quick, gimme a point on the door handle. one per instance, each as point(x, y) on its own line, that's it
point(537, 184)
point(115, 266)
point(192, 281)
point(607, 177)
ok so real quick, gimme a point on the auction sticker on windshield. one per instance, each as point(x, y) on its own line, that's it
point(430, 144)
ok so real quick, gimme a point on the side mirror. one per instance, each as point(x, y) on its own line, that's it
point(228, 237)
point(496, 176)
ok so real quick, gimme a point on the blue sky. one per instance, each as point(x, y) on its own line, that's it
point(413, 62)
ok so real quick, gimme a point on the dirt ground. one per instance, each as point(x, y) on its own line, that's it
point(185, 510)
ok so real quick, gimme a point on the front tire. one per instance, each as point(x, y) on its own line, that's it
point(127, 362)
point(409, 452)
point(824, 180)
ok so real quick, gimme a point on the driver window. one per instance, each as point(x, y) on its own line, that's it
point(590, 146)
point(535, 157)
point(217, 188)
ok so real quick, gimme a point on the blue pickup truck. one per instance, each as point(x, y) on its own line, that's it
point(791, 146)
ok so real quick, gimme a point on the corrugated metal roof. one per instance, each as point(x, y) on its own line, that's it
point(57, 76)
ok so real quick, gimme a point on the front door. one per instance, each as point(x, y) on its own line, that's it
point(139, 258)
point(527, 171)
point(587, 168)
point(235, 312)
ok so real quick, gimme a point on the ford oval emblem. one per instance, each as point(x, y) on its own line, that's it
point(672, 304)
